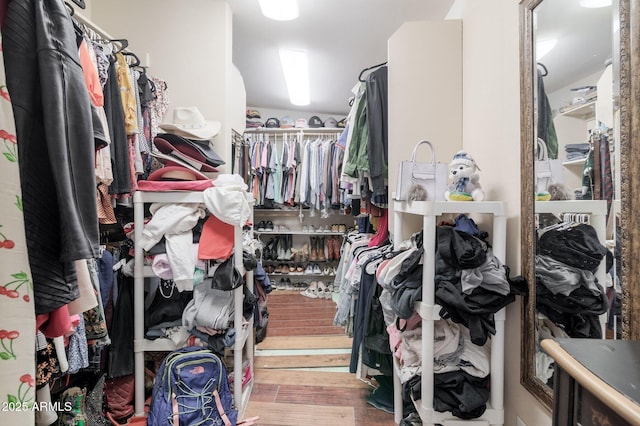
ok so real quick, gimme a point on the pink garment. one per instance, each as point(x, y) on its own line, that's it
point(195, 185)
point(161, 267)
point(54, 324)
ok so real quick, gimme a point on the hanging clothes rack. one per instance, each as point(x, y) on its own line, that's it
point(123, 44)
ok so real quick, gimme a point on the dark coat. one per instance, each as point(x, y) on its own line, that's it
point(56, 146)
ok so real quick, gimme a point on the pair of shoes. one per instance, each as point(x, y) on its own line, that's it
point(265, 225)
point(313, 269)
point(312, 291)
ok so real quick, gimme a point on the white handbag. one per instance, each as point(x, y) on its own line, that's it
point(547, 171)
point(431, 176)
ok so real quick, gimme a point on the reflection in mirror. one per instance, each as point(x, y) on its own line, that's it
point(571, 179)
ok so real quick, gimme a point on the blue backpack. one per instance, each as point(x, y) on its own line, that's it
point(191, 388)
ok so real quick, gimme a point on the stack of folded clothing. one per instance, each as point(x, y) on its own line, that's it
point(253, 119)
point(577, 151)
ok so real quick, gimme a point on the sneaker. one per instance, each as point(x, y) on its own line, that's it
point(309, 269)
point(312, 291)
point(282, 285)
point(316, 269)
point(262, 226)
point(268, 225)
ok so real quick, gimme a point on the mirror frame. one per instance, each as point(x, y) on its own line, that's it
point(629, 21)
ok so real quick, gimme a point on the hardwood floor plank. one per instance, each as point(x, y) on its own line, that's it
point(266, 377)
point(302, 330)
point(301, 361)
point(337, 341)
point(278, 414)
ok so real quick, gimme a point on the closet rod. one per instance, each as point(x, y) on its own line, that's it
point(83, 19)
point(102, 33)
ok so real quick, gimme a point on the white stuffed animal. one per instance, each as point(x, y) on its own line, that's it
point(465, 181)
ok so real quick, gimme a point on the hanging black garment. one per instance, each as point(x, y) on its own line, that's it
point(119, 143)
point(546, 128)
point(121, 331)
point(377, 120)
point(52, 114)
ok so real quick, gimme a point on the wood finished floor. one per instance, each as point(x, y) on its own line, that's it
point(301, 369)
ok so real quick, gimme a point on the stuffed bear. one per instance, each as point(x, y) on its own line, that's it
point(465, 181)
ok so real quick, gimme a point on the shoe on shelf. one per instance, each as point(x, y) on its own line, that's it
point(268, 225)
point(316, 269)
point(288, 284)
point(262, 226)
point(282, 285)
point(321, 249)
point(278, 268)
point(312, 291)
point(299, 269)
point(309, 269)
point(320, 290)
point(314, 248)
point(326, 270)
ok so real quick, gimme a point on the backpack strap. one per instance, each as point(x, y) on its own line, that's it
point(220, 408)
point(175, 409)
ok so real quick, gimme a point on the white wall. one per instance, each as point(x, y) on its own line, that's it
point(491, 134)
point(425, 96)
point(190, 47)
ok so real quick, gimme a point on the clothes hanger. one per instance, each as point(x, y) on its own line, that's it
point(70, 8)
point(134, 56)
point(545, 72)
point(119, 44)
point(368, 69)
point(80, 3)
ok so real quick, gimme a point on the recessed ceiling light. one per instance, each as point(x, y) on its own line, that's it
point(296, 75)
point(279, 10)
point(544, 46)
point(595, 3)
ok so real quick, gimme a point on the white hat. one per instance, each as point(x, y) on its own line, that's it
point(189, 122)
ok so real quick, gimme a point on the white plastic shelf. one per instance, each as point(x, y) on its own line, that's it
point(429, 310)
point(244, 337)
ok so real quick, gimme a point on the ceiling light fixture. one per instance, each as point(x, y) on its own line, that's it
point(544, 46)
point(296, 75)
point(279, 10)
point(595, 3)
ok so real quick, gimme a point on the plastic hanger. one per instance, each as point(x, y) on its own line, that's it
point(369, 69)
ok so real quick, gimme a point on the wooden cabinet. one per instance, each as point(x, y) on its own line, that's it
point(596, 382)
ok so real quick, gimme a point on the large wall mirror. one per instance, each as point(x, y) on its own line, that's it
point(580, 174)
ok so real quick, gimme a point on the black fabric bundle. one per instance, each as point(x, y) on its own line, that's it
point(576, 246)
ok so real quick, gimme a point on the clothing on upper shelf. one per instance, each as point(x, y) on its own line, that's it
point(567, 290)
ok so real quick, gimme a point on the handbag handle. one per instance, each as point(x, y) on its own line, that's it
point(415, 150)
point(543, 154)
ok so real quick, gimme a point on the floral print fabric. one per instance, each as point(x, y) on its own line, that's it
point(17, 314)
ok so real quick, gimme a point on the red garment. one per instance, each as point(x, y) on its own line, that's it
point(3, 12)
point(216, 240)
point(185, 185)
point(55, 323)
point(383, 230)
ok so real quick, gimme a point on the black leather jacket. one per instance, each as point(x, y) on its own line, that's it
point(52, 114)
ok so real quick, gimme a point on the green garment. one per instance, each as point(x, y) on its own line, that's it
point(358, 160)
